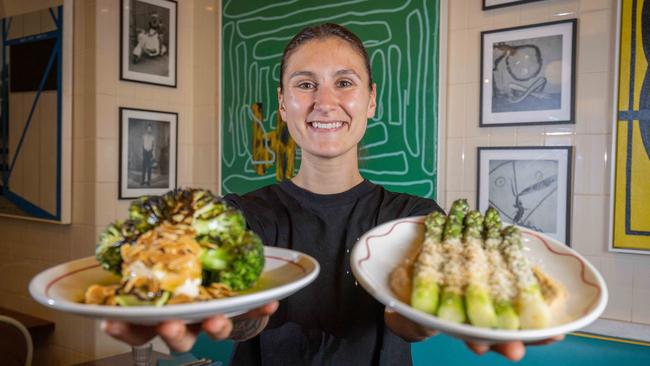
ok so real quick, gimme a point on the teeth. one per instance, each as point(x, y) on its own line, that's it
point(327, 125)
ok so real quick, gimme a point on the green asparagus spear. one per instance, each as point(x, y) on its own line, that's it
point(534, 313)
point(501, 279)
point(477, 294)
point(452, 307)
point(426, 273)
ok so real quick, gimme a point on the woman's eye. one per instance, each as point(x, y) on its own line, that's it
point(306, 85)
point(344, 83)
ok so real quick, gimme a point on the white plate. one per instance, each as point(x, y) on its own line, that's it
point(381, 249)
point(62, 288)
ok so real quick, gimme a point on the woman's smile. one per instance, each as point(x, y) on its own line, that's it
point(326, 126)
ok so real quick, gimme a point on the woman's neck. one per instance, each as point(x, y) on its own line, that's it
point(328, 176)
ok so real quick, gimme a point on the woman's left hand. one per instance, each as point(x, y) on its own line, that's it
point(514, 351)
point(414, 332)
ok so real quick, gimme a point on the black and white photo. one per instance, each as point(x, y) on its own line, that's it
point(528, 75)
point(495, 4)
point(147, 152)
point(529, 186)
point(148, 41)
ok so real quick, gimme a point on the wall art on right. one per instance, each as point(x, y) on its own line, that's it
point(494, 4)
point(528, 75)
point(529, 186)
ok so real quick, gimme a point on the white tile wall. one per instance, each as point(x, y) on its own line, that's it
point(627, 275)
point(98, 94)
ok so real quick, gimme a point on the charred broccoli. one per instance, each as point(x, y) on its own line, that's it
point(237, 262)
point(229, 253)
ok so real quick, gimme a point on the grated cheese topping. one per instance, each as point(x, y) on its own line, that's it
point(454, 271)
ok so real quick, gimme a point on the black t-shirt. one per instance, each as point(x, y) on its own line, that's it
point(333, 321)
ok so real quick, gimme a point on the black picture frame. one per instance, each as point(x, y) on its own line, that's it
point(486, 5)
point(528, 193)
point(147, 171)
point(149, 42)
point(523, 92)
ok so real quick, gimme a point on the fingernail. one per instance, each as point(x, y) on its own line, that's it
point(481, 349)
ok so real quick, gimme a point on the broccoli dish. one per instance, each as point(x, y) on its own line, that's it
point(184, 246)
point(470, 270)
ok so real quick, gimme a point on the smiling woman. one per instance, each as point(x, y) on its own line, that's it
point(326, 97)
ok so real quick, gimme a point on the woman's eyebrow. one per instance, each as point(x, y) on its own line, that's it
point(347, 72)
point(310, 74)
point(301, 73)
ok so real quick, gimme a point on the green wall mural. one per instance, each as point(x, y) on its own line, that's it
point(399, 149)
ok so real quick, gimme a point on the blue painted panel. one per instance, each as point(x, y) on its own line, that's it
point(444, 350)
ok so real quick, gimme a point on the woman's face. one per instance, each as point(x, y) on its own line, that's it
point(326, 101)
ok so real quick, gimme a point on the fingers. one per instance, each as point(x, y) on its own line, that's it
point(514, 351)
point(262, 311)
point(134, 335)
point(218, 327)
point(477, 348)
point(546, 341)
point(178, 336)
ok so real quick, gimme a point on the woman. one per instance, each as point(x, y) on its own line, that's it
point(326, 96)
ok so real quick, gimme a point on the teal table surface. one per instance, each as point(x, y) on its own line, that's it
point(575, 350)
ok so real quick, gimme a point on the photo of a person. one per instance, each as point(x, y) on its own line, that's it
point(151, 42)
point(148, 41)
point(148, 152)
point(148, 141)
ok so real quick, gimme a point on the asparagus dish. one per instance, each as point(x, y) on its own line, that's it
point(470, 269)
point(184, 246)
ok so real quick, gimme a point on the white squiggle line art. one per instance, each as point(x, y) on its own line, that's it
point(377, 143)
point(425, 182)
point(287, 15)
point(428, 170)
point(403, 121)
point(312, 21)
point(413, 151)
point(400, 107)
point(399, 154)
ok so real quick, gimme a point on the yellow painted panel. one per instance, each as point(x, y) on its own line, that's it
point(639, 184)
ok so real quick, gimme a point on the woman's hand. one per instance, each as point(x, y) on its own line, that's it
point(408, 330)
point(414, 332)
point(514, 351)
point(180, 337)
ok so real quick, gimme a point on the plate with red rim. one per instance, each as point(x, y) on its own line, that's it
point(62, 288)
point(382, 249)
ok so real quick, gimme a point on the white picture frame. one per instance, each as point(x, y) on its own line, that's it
point(495, 4)
point(148, 152)
point(528, 75)
point(529, 186)
point(148, 41)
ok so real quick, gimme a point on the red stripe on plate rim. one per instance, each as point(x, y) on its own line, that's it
point(68, 274)
point(582, 268)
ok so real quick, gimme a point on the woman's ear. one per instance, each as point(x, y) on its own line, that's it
point(372, 102)
point(281, 108)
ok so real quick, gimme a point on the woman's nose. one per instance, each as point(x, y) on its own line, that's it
point(325, 99)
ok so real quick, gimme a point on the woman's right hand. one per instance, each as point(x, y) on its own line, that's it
point(180, 337)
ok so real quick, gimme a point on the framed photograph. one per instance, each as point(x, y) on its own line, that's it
point(148, 158)
point(148, 41)
point(529, 186)
point(528, 75)
point(494, 4)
